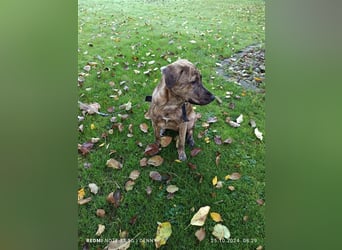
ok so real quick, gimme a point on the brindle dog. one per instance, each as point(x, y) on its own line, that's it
point(180, 86)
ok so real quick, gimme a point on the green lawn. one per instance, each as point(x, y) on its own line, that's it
point(125, 43)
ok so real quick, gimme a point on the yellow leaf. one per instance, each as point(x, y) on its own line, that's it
point(216, 217)
point(163, 233)
point(199, 218)
point(92, 126)
point(81, 194)
point(178, 161)
point(214, 180)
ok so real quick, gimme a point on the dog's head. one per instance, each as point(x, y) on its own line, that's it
point(184, 80)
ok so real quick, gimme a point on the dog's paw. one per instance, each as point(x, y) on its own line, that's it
point(182, 156)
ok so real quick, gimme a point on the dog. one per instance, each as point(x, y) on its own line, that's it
point(171, 103)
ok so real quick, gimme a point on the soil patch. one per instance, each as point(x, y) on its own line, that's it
point(245, 68)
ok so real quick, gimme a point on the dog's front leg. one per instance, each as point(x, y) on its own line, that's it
point(182, 135)
point(157, 133)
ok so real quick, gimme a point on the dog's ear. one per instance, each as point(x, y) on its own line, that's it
point(171, 76)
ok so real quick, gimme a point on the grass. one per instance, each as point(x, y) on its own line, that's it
point(122, 37)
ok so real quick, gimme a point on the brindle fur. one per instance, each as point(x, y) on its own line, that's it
point(181, 83)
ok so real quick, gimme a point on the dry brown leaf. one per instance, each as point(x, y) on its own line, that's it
point(234, 176)
point(195, 152)
point(212, 119)
point(91, 108)
point(134, 174)
point(143, 127)
point(192, 166)
point(218, 140)
point(129, 185)
point(154, 175)
point(234, 124)
point(143, 162)
point(199, 218)
point(156, 160)
point(260, 202)
point(165, 141)
point(112, 163)
point(84, 201)
point(100, 213)
point(200, 234)
point(152, 149)
point(219, 184)
point(231, 188)
point(85, 147)
point(115, 198)
point(228, 141)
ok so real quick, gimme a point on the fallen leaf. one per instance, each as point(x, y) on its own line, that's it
point(115, 198)
point(119, 244)
point(129, 185)
point(143, 162)
point(200, 234)
point(154, 175)
point(221, 231)
point(80, 194)
point(165, 141)
point(192, 166)
point(163, 233)
point(195, 152)
point(123, 234)
point(199, 218)
point(100, 213)
point(100, 229)
point(133, 220)
point(218, 140)
point(216, 216)
point(217, 159)
point(214, 180)
point(143, 127)
point(93, 188)
point(172, 189)
point(233, 124)
point(91, 108)
point(228, 141)
point(258, 134)
point(152, 149)
point(252, 123)
point(212, 119)
point(134, 174)
point(219, 184)
point(192, 41)
point(156, 160)
point(85, 147)
point(231, 188)
point(170, 196)
point(260, 202)
point(234, 176)
point(239, 119)
point(148, 190)
point(112, 163)
point(84, 201)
